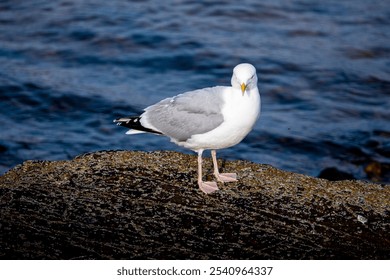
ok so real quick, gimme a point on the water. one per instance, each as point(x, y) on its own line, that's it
point(68, 68)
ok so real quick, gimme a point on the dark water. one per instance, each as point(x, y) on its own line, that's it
point(68, 68)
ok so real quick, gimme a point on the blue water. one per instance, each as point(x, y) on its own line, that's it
point(68, 68)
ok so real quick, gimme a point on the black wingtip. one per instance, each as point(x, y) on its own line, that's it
point(134, 123)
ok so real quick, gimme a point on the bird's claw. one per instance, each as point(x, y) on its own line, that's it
point(226, 177)
point(208, 187)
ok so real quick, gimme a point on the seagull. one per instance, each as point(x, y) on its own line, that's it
point(211, 118)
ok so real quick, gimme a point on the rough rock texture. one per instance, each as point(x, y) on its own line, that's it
point(135, 205)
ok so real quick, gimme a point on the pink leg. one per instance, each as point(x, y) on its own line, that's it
point(222, 177)
point(206, 187)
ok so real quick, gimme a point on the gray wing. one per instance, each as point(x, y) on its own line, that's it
point(187, 114)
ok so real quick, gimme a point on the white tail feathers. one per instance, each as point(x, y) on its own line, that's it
point(133, 131)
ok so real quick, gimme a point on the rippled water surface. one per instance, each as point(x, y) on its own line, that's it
point(68, 68)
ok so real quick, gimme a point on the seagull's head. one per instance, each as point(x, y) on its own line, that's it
point(244, 77)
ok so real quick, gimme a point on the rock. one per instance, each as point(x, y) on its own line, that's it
point(333, 174)
point(376, 171)
point(3, 148)
point(136, 205)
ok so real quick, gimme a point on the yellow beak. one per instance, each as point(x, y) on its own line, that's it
point(243, 88)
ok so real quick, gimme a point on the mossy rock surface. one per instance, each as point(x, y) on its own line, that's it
point(137, 205)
